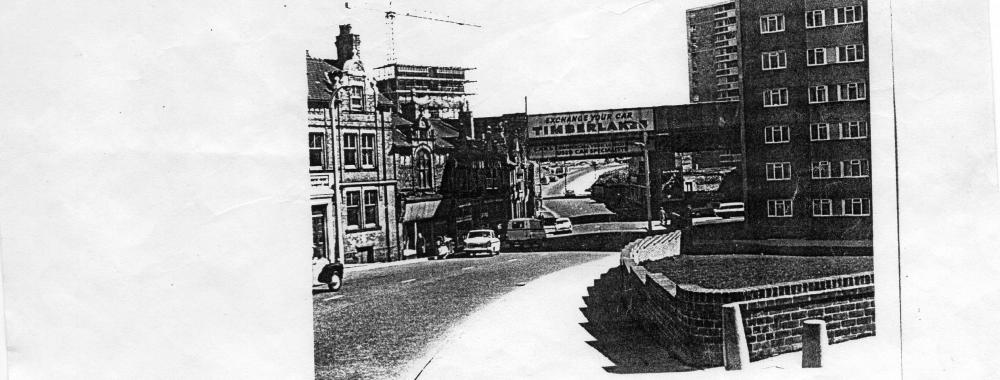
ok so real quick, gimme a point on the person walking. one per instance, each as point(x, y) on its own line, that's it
point(663, 217)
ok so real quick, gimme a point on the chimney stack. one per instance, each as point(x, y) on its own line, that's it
point(348, 44)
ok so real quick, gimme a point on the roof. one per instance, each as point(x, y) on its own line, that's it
point(399, 139)
point(399, 121)
point(443, 129)
point(316, 70)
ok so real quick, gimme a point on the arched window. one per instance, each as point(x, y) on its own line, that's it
point(425, 173)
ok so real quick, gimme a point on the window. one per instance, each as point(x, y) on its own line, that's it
point(776, 134)
point(319, 231)
point(773, 60)
point(822, 207)
point(368, 150)
point(353, 209)
point(818, 94)
point(816, 57)
point(821, 169)
point(778, 171)
point(772, 24)
point(815, 19)
point(350, 149)
point(776, 97)
point(371, 208)
point(425, 173)
point(854, 130)
point(847, 15)
point(316, 144)
point(854, 168)
point(857, 206)
point(779, 208)
point(852, 91)
point(355, 96)
point(819, 132)
point(850, 53)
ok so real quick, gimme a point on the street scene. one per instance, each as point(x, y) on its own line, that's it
point(731, 231)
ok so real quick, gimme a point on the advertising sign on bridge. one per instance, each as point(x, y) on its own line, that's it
point(583, 150)
point(590, 123)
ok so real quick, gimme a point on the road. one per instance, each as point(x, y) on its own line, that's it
point(577, 179)
point(386, 317)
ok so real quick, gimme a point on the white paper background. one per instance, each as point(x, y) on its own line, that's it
point(154, 216)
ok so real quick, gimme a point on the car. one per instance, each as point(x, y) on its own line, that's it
point(570, 193)
point(548, 221)
point(729, 209)
point(563, 225)
point(704, 211)
point(327, 273)
point(525, 232)
point(479, 241)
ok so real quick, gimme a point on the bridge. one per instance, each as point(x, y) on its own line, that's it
point(612, 133)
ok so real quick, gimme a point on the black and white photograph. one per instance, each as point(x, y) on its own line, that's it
point(702, 203)
point(569, 189)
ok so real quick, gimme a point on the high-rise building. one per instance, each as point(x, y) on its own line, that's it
point(440, 90)
point(807, 151)
point(713, 53)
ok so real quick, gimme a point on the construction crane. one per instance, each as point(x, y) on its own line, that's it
point(390, 22)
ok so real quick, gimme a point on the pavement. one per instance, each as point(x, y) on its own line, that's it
point(369, 266)
point(535, 332)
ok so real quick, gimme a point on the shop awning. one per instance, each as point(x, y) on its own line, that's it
point(421, 211)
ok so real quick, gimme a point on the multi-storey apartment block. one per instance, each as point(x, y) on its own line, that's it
point(806, 118)
point(713, 52)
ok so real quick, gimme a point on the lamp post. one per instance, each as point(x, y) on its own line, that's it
point(645, 156)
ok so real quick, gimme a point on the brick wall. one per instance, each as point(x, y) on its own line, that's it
point(773, 326)
point(689, 320)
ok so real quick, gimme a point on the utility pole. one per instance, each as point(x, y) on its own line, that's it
point(649, 206)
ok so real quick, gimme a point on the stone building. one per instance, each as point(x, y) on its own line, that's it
point(352, 180)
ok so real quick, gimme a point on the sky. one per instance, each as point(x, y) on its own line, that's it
point(564, 55)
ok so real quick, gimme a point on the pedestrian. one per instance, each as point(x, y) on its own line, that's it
point(663, 217)
point(421, 245)
point(687, 215)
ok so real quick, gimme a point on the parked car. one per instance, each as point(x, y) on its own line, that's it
point(570, 193)
point(478, 241)
point(330, 274)
point(729, 209)
point(563, 225)
point(525, 232)
point(707, 210)
point(548, 221)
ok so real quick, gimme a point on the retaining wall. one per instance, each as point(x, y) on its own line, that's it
point(689, 319)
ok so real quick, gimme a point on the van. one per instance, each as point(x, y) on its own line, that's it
point(525, 232)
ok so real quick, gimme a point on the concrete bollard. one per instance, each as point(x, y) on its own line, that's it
point(814, 341)
point(735, 353)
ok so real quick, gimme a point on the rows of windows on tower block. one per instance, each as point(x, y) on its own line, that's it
point(851, 127)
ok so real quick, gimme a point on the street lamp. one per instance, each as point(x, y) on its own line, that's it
point(649, 206)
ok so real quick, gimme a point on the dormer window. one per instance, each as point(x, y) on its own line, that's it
point(355, 101)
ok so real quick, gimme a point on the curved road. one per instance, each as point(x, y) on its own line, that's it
point(386, 317)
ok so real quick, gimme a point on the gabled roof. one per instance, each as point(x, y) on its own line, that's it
point(399, 139)
point(316, 70)
point(443, 129)
point(399, 121)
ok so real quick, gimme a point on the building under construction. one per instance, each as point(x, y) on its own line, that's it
point(441, 90)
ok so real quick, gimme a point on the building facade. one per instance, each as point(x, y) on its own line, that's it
point(806, 129)
point(713, 53)
point(353, 183)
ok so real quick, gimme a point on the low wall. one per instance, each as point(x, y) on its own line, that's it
point(689, 319)
point(591, 241)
